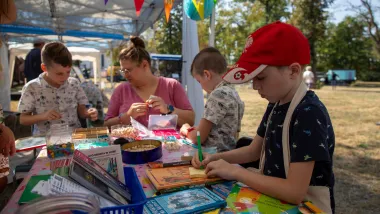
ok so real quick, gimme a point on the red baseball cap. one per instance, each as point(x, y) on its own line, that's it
point(275, 44)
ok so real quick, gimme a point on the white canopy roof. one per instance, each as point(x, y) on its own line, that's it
point(78, 53)
point(81, 22)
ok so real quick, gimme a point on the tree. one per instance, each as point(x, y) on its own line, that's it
point(168, 36)
point(310, 16)
point(274, 9)
point(367, 12)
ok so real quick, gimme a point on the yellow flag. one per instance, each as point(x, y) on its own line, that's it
point(200, 6)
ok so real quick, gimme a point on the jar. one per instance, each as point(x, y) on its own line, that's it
point(63, 203)
point(58, 141)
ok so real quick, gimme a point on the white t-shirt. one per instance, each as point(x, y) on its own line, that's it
point(5, 88)
point(308, 76)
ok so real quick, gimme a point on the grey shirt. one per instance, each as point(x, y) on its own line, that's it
point(39, 97)
point(225, 110)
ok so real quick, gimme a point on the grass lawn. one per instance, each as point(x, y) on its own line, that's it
point(354, 112)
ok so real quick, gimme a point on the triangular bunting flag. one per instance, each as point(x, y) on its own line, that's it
point(200, 5)
point(138, 6)
point(105, 2)
point(168, 7)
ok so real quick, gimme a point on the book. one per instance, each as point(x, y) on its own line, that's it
point(176, 178)
point(28, 195)
point(223, 189)
point(109, 158)
point(92, 183)
point(198, 200)
point(60, 166)
point(92, 174)
point(247, 200)
point(50, 185)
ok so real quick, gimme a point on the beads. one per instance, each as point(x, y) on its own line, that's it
point(141, 148)
point(60, 150)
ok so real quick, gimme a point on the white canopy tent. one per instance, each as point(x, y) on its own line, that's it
point(190, 47)
point(90, 23)
point(78, 53)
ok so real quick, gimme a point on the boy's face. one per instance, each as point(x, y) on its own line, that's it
point(204, 80)
point(273, 83)
point(57, 73)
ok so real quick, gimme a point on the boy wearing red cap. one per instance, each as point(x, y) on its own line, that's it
point(295, 140)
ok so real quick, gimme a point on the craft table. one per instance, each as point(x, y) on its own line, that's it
point(42, 167)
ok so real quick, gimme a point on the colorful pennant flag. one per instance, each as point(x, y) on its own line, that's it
point(105, 2)
point(168, 7)
point(138, 6)
point(200, 6)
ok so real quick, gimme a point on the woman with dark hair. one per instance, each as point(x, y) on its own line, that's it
point(145, 94)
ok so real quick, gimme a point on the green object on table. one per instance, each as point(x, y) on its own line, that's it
point(200, 155)
point(27, 195)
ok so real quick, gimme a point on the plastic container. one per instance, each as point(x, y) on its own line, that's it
point(124, 131)
point(136, 190)
point(162, 122)
point(58, 141)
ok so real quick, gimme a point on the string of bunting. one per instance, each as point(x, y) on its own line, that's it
point(194, 9)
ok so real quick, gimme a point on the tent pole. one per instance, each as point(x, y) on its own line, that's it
point(211, 39)
point(111, 55)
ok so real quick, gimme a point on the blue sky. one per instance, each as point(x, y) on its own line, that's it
point(341, 8)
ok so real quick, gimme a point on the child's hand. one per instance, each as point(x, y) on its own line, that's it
point(207, 158)
point(221, 169)
point(184, 129)
point(7, 141)
point(51, 115)
point(92, 114)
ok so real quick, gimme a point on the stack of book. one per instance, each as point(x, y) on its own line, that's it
point(84, 175)
point(89, 174)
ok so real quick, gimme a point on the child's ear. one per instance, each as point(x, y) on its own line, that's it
point(207, 74)
point(43, 67)
point(296, 70)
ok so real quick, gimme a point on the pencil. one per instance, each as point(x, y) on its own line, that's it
point(200, 155)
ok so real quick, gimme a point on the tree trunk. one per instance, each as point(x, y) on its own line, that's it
point(267, 12)
point(314, 60)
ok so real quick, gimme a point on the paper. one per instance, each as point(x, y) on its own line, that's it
point(109, 158)
point(197, 173)
point(57, 185)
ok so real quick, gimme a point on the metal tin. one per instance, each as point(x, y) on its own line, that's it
point(141, 157)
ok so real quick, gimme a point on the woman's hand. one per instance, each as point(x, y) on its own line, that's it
point(136, 110)
point(158, 103)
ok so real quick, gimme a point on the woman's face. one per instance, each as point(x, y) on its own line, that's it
point(132, 71)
